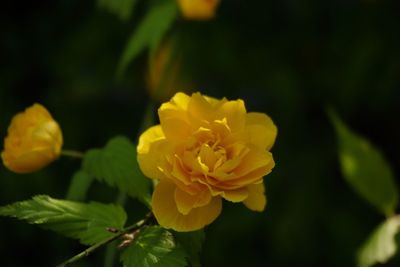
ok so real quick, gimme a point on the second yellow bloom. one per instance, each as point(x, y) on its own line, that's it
point(34, 140)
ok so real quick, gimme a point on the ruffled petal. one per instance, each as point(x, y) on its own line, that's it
point(200, 109)
point(237, 195)
point(256, 200)
point(174, 123)
point(149, 156)
point(254, 159)
point(180, 100)
point(173, 117)
point(235, 114)
point(166, 212)
point(261, 130)
point(185, 202)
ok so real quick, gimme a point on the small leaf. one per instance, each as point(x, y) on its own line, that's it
point(149, 33)
point(365, 169)
point(117, 166)
point(381, 245)
point(154, 247)
point(86, 222)
point(79, 186)
point(192, 243)
point(122, 8)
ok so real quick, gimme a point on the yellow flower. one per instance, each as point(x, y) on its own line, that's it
point(34, 140)
point(198, 9)
point(203, 151)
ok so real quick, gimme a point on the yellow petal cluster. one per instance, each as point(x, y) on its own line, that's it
point(34, 140)
point(198, 9)
point(205, 150)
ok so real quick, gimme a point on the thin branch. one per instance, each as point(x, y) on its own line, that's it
point(111, 249)
point(72, 154)
point(91, 249)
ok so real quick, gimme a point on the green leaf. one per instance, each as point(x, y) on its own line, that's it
point(117, 166)
point(149, 33)
point(154, 247)
point(86, 222)
point(79, 186)
point(365, 169)
point(381, 245)
point(192, 243)
point(122, 8)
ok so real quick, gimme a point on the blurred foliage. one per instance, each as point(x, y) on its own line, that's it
point(149, 34)
point(286, 58)
point(121, 8)
point(365, 169)
point(381, 246)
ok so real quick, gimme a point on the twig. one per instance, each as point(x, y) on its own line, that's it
point(91, 249)
point(72, 154)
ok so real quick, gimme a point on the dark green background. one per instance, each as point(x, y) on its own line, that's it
point(287, 58)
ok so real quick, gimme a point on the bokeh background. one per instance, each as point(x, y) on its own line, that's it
point(290, 59)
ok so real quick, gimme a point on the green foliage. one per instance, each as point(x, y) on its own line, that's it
point(365, 169)
point(117, 166)
point(381, 245)
point(122, 8)
point(154, 247)
point(192, 243)
point(86, 222)
point(149, 33)
point(79, 186)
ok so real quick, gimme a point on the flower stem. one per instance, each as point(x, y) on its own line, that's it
point(72, 154)
point(91, 249)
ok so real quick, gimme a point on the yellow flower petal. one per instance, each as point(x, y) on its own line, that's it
point(237, 195)
point(174, 123)
point(256, 200)
point(250, 178)
point(180, 100)
point(201, 109)
point(185, 202)
point(207, 156)
point(254, 159)
point(28, 162)
point(235, 114)
point(149, 155)
point(168, 216)
point(261, 130)
point(149, 137)
point(173, 118)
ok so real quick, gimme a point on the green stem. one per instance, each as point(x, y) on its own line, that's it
point(111, 250)
point(91, 249)
point(110, 255)
point(72, 154)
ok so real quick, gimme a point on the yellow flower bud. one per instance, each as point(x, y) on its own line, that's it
point(198, 9)
point(34, 140)
point(203, 151)
point(166, 75)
